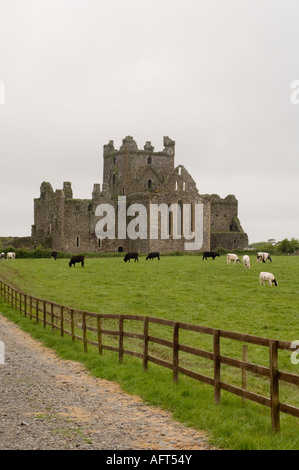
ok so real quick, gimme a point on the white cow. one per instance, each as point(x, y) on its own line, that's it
point(2, 256)
point(267, 277)
point(246, 261)
point(232, 257)
point(262, 257)
point(10, 255)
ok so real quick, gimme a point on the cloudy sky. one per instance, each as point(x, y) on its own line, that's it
point(213, 75)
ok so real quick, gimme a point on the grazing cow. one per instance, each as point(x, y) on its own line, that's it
point(2, 256)
point(10, 255)
point(76, 259)
point(267, 277)
point(54, 255)
point(262, 256)
point(209, 254)
point(246, 261)
point(154, 254)
point(130, 256)
point(232, 257)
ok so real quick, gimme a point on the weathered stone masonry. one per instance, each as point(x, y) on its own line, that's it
point(145, 177)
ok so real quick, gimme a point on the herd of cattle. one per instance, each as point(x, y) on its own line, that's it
point(262, 257)
point(9, 255)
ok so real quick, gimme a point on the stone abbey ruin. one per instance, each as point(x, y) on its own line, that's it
point(145, 177)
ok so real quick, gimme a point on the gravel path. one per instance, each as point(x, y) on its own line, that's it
point(48, 403)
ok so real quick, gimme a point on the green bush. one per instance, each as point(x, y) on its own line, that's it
point(288, 246)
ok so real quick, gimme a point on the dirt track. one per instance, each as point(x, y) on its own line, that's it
point(47, 403)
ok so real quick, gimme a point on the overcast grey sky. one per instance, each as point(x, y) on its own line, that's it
point(213, 75)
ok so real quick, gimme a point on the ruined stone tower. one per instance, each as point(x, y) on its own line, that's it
point(130, 170)
point(141, 177)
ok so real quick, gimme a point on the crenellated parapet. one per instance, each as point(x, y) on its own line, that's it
point(129, 145)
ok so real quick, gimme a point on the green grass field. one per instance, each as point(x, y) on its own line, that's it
point(181, 288)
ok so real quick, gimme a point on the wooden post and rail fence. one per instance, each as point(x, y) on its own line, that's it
point(58, 317)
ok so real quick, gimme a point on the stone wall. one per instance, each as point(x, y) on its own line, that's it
point(229, 240)
point(226, 229)
point(16, 242)
point(63, 223)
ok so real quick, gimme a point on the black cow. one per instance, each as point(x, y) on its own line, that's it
point(54, 255)
point(76, 259)
point(209, 254)
point(154, 254)
point(130, 256)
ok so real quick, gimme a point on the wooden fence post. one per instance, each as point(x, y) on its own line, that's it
point(121, 339)
point(25, 305)
point(100, 340)
point(217, 389)
point(244, 371)
point(45, 313)
point(175, 352)
point(61, 322)
point(145, 343)
point(274, 385)
point(72, 325)
point(84, 332)
point(52, 317)
point(36, 310)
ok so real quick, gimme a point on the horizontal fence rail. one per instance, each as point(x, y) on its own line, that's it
point(71, 322)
